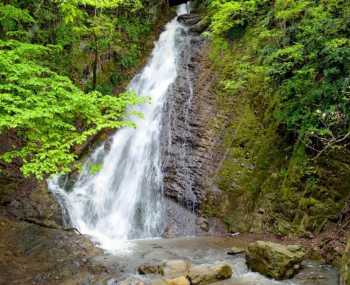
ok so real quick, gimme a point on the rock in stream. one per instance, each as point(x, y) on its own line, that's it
point(275, 260)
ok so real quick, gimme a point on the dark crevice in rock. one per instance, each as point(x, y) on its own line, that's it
point(41, 223)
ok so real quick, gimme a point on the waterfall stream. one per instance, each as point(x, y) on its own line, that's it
point(141, 183)
point(124, 199)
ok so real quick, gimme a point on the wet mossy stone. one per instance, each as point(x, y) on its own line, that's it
point(149, 268)
point(209, 273)
point(275, 260)
point(235, 250)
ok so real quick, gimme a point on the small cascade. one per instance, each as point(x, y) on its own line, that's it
point(124, 199)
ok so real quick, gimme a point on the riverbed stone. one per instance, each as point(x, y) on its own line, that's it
point(275, 260)
point(175, 268)
point(149, 268)
point(235, 250)
point(178, 281)
point(209, 273)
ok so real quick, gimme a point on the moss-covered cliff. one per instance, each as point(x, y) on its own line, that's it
point(285, 157)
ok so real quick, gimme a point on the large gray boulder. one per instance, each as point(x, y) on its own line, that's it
point(207, 273)
point(275, 260)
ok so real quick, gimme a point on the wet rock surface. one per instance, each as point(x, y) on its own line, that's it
point(183, 272)
point(207, 273)
point(35, 254)
point(149, 268)
point(235, 250)
point(175, 268)
point(189, 19)
point(275, 260)
point(182, 280)
point(187, 144)
point(35, 247)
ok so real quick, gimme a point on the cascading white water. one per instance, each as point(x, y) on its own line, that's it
point(124, 199)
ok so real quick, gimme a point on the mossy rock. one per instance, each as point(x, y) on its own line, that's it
point(275, 260)
point(206, 273)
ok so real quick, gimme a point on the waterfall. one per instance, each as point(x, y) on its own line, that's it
point(124, 199)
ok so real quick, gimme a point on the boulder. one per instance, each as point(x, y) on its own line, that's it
point(206, 273)
point(148, 268)
point(168, 268)
point(275, 260)
point(235, 250)
point(175, 281)
point(178, 281)
point(175, 268)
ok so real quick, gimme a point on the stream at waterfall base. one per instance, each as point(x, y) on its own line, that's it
point(122, 208)
point(204, 250)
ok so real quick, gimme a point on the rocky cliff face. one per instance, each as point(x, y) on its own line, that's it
point(188, 142)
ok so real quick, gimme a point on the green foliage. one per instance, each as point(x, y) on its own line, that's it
point(103, 4)
point(95, 168)
point(47, 50)
point(13, 21)
point(11, 17)
point(304, 46)
point(285, 89)
point(48, 112)
point(104, 29)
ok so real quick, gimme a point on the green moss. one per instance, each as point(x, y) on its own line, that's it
point(269, 180)
point(95, 168)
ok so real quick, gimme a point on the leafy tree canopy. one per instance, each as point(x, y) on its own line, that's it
point(48, 111)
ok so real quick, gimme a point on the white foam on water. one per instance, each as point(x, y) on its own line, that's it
point(124, 200)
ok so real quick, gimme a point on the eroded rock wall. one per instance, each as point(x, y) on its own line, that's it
point(188, 142)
